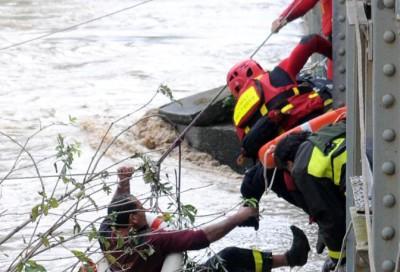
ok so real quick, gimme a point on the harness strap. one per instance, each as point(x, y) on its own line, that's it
point(281, 103)
point(280, 100)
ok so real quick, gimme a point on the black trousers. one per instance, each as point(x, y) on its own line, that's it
point(234, 259)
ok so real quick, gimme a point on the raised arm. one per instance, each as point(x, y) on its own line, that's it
point(301, 53)
point(218, 230)
point(297, 9)
point(178, 241)
point(124, 176)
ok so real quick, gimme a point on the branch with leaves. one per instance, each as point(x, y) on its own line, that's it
point(69, 209)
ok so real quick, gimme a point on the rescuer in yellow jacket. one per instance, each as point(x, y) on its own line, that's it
point(317, 164)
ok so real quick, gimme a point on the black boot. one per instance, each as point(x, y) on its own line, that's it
point(297, 255)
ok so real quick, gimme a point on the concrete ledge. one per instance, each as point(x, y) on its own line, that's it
point(220, 141)
point(183, 111)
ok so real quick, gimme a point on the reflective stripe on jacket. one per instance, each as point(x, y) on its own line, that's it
point(324, 166)
point(329, 155)
point(292, 102)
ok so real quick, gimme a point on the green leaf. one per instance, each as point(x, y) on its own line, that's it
point(120, 242)
point(107, 189)
point(65, 179)
point(102, 239)
point(165, 90)
point(167, 217)
point(113, 216)
point(106, 244)
point(45, 241)
point(146, 252)
point(35, 213)
point(80, 194)
point(53, 202)
point(19, 267)
point(93, 234)
point(228, 102)
point(45, 209)
point(32, 266)
point(149, 170)
point(251, 202)
point(80, 255)
point(93, 202)
point(111, 259)
point(42, 194)
point(72, 119)
point(104, 174)
point(189, 211)
point(77, 228)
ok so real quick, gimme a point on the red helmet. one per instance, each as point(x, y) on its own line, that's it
point(240, 73)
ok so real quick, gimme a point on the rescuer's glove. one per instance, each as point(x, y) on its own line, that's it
point(253, 221)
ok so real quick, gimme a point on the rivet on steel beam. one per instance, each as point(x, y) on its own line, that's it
point(389, 200)
point(389, 135)
point(342, 51)
point(388, 100)
point(342, 19)
point(342, 36)
point(388, 3)
point(388, 233)
point(389, 69)
point(389, 168)
point(342, 69)
point(388, 266)
point(389, 36)
point(342, 88)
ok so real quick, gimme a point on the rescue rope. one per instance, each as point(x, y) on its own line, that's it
point(343, 248)
point(271, 33)
point(191, 124)
point(364, 163)
point(178, 187)
point(397, 268)
point(265, 169)
point(75, 26)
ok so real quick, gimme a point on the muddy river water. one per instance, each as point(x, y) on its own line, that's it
point(101, 71)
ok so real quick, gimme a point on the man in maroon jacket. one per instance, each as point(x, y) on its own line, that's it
point(134, 247)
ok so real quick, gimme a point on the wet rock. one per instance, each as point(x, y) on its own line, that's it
point(219, 141)
point(184, 110)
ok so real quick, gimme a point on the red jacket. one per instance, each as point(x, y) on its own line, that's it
point(300, 7)
point(282, 78)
